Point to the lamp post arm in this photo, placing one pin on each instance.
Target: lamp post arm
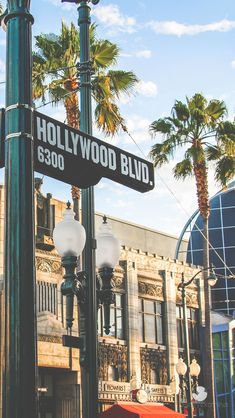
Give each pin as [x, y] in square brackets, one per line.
[184, 284]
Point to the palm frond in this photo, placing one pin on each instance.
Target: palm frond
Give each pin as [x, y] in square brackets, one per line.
[183, 169]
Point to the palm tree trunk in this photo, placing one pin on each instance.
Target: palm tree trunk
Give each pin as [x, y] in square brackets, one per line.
[209, 366]
[201, 177]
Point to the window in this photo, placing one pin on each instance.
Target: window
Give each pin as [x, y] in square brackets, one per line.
[192, 315]
[116, 318]
[47, 297]
[222, 373]
[150, 321]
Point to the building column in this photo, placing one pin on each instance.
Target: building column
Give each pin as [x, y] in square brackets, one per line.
[170, 321]
[132, 320]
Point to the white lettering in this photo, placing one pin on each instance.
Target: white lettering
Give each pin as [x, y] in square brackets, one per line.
[85, 147]
[95, 152]
[124, 165]
[51, 133]
[145, 173]
[41, 129]
[66, 144]
[112, 159]
[103, 156]
[131, 174]
[61, 146]
[75, 138]
[137, 165]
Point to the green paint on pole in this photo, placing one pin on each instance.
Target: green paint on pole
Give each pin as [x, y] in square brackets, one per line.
[19, 397]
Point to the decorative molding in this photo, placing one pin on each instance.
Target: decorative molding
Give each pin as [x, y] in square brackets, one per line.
[151, 289]
[48, 265]
[114, 355]
[49, 338]
[153, 360]
[119, 282]
[191, 299]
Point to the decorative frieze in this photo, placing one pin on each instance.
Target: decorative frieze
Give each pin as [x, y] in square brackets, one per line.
[151, 289]
[153, 360]
[49, 338]
[47, 265]
[191, 299]
[115, 356]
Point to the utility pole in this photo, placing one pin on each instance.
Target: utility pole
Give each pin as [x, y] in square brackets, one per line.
[19, 393]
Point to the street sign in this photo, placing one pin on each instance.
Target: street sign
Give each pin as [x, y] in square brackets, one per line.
[72, 341]
[79, 159]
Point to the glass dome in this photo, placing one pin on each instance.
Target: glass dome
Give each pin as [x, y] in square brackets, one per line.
[222, 246]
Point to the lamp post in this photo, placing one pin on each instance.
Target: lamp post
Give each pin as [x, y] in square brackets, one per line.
[211, 279]
[188, 378]
[107, 256]
[19, 394]
[69, 239]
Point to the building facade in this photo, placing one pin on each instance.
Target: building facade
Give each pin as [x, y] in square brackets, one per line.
[146, 337]
[224, 363]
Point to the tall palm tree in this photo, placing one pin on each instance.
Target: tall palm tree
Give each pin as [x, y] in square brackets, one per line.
[190, 127]
[55, 75]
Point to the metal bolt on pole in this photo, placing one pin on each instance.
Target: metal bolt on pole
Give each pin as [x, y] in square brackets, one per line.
[19, 394]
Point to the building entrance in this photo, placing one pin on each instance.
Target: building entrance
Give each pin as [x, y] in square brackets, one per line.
[59, 395]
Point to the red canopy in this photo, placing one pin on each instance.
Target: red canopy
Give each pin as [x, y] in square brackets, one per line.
[135, 410]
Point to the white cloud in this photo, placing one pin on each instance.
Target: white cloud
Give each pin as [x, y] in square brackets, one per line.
[145, 53]
[65, 5]
[3, 42]
[136, 123]
[111, 17]
[147, 88]
[233, 63]
[179, 29]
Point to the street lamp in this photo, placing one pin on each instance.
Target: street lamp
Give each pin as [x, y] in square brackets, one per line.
[211, 279]
[107, 256]
[188, 380]
[69, 238]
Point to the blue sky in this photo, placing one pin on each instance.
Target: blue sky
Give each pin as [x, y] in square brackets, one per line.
[176, 48]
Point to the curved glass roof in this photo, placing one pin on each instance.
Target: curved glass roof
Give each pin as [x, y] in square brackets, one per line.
[222, 246]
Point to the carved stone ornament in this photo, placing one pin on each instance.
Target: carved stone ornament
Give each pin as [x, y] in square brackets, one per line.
[191, 298]
[114, 355]
[49, 338]
[154, 360]
[151, 290]
[48, 266]
[118, 282]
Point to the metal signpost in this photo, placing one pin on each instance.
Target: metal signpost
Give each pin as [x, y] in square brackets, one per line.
[19, 382]
[77, 158]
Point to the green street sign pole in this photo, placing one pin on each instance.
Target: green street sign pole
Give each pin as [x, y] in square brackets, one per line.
[19, 394]
[89, 371]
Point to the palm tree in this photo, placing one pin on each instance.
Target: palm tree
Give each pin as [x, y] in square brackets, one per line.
[55, 75]
[190, 127]
[55, 72]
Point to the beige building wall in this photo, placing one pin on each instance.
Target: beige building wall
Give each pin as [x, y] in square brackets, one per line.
[146, 270]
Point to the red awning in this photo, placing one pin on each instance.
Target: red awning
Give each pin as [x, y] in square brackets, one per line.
[135, 410]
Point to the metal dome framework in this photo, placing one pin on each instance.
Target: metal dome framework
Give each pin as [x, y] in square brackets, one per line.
[222, 246]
